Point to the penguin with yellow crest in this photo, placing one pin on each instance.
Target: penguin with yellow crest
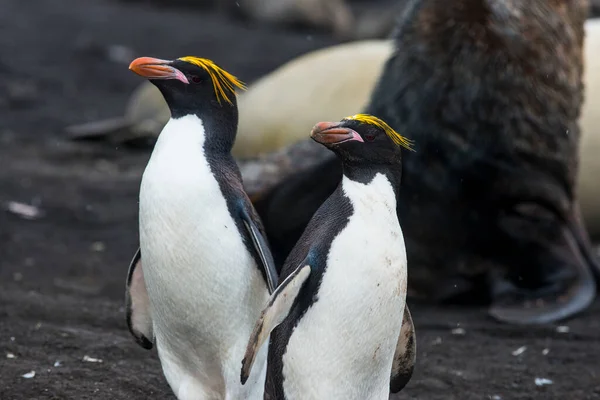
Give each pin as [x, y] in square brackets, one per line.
[339, 321]
[204, 270]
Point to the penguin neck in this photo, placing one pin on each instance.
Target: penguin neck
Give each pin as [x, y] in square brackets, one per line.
[217, 124]
[191, 138]
[365, 173]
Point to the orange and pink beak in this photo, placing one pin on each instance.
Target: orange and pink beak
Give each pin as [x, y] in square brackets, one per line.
[332, 133]
[155, 68]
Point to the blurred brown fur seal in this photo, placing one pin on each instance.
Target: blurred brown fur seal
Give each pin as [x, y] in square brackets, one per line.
[490, 90]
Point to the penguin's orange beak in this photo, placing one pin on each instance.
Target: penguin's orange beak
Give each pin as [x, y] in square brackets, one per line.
[155, 68]
[332, 133]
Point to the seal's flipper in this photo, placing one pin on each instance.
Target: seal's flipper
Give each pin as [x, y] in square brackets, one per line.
[252, 224]
[99, 130]
[558, 303]
[583, 239]
[275, 312]
[137, 304]
[569, 283]
[405, 355]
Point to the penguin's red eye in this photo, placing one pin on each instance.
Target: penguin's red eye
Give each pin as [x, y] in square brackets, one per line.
[369, 137]
[196, 79]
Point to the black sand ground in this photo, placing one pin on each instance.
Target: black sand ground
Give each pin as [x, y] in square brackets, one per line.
[62, 273]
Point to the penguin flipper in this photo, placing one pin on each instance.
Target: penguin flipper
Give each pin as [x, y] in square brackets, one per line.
[405, 354]
[137, 304]
[275, 312]
[261, 246]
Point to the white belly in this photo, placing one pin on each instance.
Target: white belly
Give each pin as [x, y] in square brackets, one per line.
[343, 347]
[205, 289]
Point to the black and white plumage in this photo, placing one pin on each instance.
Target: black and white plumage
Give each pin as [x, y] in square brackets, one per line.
[204, 271]
[337, 331]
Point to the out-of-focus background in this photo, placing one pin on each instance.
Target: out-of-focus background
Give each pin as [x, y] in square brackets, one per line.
[68, 217]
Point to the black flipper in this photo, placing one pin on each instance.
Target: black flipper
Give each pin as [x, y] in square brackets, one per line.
[137, 304]
[405, 355]
[253, 226]
[275, 312]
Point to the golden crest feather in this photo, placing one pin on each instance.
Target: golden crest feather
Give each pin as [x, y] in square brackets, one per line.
[222, 80]
[392, 134]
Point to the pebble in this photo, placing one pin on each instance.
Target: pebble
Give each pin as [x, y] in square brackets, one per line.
[543, 381]
[29, 375]
[519, 351]
[23, 210]
[87, 358]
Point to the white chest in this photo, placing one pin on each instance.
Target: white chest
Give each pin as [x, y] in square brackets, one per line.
[196, 265]
[178, 186]
[344, 345]
[205, 289]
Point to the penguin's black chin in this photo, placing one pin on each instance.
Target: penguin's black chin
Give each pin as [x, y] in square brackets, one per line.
[154, 68]
[331, 133]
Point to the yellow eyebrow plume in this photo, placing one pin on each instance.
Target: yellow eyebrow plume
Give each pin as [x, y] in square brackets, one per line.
[222, 80]
[392, 134]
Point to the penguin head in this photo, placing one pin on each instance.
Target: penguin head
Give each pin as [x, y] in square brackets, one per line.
[361, 138]
[190, 85]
